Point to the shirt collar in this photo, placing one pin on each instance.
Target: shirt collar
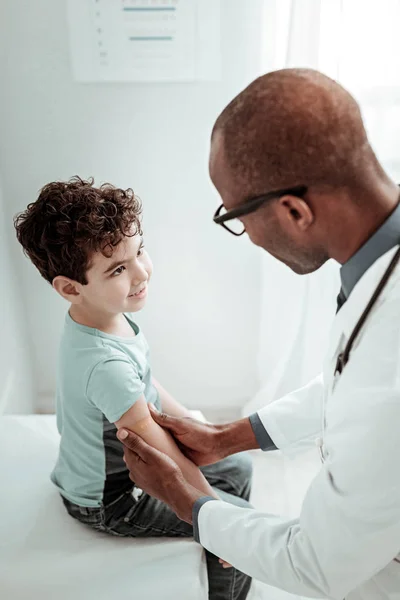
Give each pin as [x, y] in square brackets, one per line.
[383, 240]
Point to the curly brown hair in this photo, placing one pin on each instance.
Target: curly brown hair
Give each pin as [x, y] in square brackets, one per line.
[71, 220]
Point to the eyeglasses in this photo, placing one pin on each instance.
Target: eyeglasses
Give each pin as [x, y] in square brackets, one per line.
[236, 227]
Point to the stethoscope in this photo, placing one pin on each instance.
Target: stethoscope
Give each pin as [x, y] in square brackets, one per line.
[344, 356]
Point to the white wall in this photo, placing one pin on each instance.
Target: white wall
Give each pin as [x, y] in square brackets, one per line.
[201, 319]
[16, 389]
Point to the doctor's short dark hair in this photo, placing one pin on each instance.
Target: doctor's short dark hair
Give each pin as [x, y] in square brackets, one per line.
[296, 127]
[71, 220]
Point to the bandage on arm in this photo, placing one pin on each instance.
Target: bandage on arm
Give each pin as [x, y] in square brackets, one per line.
[139, 420]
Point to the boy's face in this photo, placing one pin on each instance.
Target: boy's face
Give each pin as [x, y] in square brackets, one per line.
[118, 283]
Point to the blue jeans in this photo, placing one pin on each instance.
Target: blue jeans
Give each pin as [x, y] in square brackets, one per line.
[145, 516]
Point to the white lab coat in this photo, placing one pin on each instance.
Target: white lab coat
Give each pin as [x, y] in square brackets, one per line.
[346, 541]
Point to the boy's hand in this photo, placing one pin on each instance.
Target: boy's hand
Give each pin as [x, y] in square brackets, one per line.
[197, 440]
[158, 475]
[225, 565]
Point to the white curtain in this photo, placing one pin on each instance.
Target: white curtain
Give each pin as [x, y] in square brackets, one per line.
[354, 42]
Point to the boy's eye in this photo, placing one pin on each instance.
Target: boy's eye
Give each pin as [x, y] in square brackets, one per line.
[140, 251]
[118, 271]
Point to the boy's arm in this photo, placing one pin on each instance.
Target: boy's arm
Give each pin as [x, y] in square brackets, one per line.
[168, 404]
[139, 420]
[116, 389]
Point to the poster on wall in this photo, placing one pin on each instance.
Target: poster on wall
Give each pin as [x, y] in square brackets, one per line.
[144, 40]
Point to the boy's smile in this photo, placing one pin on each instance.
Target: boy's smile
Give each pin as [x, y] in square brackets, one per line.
[141, 293]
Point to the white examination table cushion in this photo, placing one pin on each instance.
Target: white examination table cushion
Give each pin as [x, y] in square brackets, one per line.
[46, 555]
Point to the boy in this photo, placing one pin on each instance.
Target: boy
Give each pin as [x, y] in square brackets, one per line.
[87, 242]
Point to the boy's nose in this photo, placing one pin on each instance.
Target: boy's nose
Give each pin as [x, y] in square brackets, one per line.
[140, 276]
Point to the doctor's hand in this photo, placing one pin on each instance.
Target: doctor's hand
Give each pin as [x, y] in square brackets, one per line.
[197, 440]
[158, 475]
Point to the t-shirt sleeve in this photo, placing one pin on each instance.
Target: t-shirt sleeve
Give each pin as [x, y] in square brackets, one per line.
[113, 387]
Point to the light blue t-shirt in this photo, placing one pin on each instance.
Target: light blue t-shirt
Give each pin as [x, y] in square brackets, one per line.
[100, 377]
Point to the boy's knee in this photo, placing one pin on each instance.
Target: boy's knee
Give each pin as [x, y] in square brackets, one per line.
[246, 464]
[243, 466]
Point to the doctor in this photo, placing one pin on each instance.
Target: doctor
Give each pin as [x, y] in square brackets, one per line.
[291, 160]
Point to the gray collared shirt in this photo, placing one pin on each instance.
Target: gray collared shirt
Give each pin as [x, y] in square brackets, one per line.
[383, 240]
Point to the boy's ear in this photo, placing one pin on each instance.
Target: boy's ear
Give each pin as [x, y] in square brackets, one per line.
[68, 289]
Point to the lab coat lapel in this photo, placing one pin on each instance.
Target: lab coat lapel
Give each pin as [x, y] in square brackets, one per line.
[348, 316]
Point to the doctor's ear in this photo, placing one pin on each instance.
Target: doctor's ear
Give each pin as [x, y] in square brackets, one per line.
[297, 211]
[69, 289]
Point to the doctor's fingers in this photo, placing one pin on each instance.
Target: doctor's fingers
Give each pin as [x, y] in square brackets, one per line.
[137, 446]
[176, 425]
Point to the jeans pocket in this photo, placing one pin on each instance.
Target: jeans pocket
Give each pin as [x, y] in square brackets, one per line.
[118, 515]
